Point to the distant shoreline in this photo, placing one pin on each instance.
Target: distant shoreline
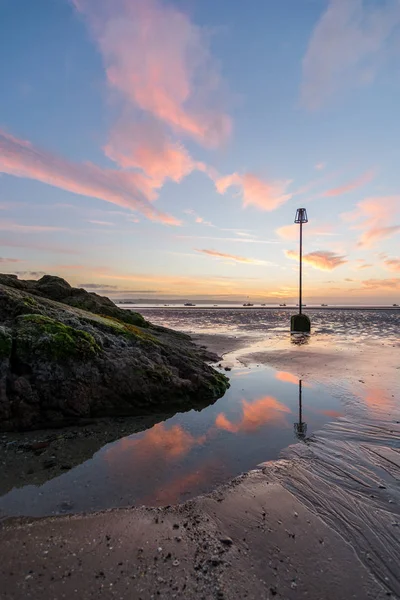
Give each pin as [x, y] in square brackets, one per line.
[234, 307]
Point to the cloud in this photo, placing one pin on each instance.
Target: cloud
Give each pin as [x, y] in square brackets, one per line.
[376, 215]
[105, 223]
[30, 274]
[291, 232]
[240, 240]
[378, 284]
[9, 260]
[320, 166]
[393, 264]
[160, 62]
[146, 146]
[322, 260]
[18, 227]
[346, 48]
[254, 191]
[130, 190]
[97, 286]
[351, 185]
[365, 266]
[232, 257]
[198, 219]
[348, 279]
[376, 234]
[7, 243]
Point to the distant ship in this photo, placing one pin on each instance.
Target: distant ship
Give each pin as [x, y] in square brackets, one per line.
[263, 305]
[248, 304]
[189, 304]
[395, 305]
[324, 305]
[283, 305]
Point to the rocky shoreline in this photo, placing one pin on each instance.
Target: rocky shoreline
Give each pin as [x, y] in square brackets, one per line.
[67, 355]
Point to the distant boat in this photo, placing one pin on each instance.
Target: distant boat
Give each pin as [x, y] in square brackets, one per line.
[248, 304]
[263, 305]
[189, 304]
[166, 304]
[324, 305]
[215, 304]
[284, 305]
[395, 305]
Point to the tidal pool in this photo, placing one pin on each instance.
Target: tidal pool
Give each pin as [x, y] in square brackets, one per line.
[190, 453]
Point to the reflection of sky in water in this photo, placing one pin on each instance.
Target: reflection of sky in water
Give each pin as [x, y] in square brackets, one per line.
[351, 324]
[190, 453]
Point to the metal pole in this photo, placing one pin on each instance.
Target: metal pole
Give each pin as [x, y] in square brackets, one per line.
[300, 402]
[301, 268]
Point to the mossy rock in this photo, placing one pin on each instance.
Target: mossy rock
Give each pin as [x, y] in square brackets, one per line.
[104, 306]
[219, 384]
[5, 343]
[43, 336]
[134, 332]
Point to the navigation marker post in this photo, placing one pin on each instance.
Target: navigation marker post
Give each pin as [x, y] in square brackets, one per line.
[300, 323]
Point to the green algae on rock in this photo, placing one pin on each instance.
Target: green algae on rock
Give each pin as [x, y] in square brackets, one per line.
[45, 336]
[61, 361]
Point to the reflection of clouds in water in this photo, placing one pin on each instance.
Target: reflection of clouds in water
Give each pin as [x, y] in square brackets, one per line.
[255, 415]
[157, 444]
[335, 414]
[290, 378]
[172, 491]
[378, 399]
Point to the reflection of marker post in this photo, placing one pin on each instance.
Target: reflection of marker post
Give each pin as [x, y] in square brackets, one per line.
[300, 427]
[300, 322]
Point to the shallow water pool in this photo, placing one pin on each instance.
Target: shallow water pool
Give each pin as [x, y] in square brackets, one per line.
[190, 453]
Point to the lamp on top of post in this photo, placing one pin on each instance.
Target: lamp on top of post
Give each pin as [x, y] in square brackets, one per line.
[300, 323]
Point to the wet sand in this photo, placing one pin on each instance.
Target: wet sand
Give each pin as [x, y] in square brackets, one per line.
[252, 539]
[286, 530]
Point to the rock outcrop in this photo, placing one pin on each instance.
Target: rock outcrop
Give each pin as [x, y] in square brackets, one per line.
[67, 354]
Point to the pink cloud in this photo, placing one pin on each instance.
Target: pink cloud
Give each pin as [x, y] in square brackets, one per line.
[393, 264]
[160, 62]
[376, 216]
[322, 260]
[376, 234]
[387, 284]
[231, 257]
[351, 185]
[346, 48]
[18, 227]
[127, 189]
[255, 192]
[291, 232]
[145, 145]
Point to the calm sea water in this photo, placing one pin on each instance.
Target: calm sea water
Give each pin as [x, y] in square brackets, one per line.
[382, 324]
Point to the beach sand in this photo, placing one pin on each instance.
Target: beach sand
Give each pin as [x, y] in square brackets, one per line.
[285, 530]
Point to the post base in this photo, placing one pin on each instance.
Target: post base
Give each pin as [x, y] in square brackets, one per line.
[300, 324]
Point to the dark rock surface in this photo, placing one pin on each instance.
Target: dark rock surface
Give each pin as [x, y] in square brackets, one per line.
[67, 354]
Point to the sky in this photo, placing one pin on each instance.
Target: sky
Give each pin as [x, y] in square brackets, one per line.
[160, 148]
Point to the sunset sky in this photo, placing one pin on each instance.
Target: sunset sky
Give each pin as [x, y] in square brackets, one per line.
[160, 148]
